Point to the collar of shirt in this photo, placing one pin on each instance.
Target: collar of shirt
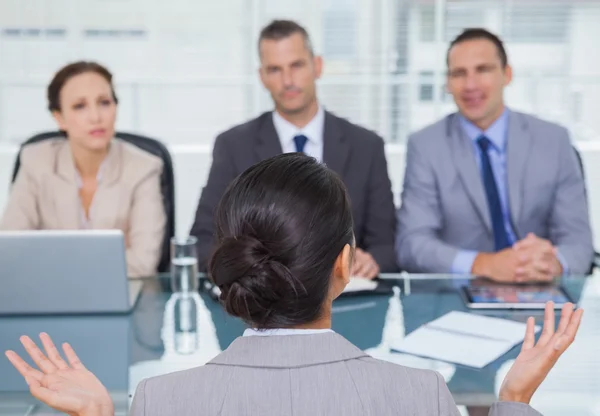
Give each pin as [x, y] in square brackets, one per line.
[101, 169]
[85, 219]
[287, 131]
[251, 332]
[496, 133]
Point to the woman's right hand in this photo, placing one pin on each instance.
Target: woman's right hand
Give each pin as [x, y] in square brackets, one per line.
[68, 388]
[536, 360]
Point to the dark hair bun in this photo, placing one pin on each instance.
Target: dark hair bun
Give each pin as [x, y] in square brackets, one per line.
[280, 227]
[252, 280]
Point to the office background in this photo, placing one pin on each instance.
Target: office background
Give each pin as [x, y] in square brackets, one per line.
[186, 69]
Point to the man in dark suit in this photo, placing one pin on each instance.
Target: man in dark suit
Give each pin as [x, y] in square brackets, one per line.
[289, 70]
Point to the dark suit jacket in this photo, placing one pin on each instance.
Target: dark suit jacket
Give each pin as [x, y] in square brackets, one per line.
[355, 153]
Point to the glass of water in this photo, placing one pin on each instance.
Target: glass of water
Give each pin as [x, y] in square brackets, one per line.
[184, 265]
[180, 323]
[186, 321]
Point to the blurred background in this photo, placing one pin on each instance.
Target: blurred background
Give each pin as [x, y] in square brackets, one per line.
[186, 70]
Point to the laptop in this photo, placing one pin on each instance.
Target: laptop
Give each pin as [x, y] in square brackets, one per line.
[65, 272]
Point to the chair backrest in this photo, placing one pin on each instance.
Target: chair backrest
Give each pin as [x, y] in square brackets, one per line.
[580, 161]
[167, 181]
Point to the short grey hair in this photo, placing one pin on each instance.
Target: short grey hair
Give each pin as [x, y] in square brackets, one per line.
[281, 29]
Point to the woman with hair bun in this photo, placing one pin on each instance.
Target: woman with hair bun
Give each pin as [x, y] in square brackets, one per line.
[284, 253]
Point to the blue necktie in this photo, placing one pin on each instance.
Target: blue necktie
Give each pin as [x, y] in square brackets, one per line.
[501, 240]
[300, 141]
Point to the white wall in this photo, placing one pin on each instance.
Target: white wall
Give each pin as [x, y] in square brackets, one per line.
[584, 63]
[558, 81]
[191, 165]
[186, 69]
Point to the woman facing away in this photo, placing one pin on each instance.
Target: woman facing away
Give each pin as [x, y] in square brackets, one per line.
[284, 253]
[91, 180]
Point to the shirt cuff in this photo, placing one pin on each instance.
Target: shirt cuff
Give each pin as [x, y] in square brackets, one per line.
[463, 262]
[563, 263]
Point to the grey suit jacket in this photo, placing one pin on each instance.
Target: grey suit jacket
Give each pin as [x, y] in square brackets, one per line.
[444, 207]
[355, 153]
[312, 375]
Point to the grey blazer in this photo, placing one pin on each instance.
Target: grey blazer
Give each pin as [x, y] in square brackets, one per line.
[444, 207]
[312, 375]
[355, 153]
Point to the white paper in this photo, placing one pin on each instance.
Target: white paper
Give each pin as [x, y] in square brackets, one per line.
[358, 284]
[455, 348]
[482, 326]
[464, 338]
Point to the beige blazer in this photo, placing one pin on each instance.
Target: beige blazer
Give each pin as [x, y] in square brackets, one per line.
[301, 375]
[45, 195]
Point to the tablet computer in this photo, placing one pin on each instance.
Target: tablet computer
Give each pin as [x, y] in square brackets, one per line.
[502, 296]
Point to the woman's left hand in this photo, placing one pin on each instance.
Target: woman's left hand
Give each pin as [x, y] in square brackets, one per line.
[68, 388]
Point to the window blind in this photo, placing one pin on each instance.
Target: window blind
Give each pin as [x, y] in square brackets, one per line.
[187, 69]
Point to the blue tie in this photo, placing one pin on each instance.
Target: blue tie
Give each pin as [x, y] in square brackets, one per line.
[501, 240]
[300, 141]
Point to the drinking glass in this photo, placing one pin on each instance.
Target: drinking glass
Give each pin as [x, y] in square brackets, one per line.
[184, 265]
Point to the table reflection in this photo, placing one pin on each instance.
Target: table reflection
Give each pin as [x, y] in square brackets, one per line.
[169, 332]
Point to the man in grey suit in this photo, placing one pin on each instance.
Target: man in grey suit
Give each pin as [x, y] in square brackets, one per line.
[490, 191]
[289, 70]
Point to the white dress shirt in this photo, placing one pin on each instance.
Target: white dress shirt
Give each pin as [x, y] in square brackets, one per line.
[251, 332]
[286, 132]
[84, 219]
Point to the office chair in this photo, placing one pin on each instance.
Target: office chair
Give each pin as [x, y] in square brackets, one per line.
[167, 181]
[596, 261]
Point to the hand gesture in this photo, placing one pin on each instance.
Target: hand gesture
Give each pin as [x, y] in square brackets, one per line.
[536, 360]
[68, 388]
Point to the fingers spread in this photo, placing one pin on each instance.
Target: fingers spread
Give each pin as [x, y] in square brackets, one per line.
[548, 329]
[566, 337]
[565, 317]
[72, 357]
[22, 367]
[38, 356]
[53, 354]
[529, 340]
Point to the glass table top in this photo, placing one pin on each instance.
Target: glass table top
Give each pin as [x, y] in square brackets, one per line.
[165, 333]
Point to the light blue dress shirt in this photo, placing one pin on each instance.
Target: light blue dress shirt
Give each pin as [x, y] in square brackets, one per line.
[497, 133]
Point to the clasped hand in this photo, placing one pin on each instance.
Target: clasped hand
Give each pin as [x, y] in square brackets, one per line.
[530, 259]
